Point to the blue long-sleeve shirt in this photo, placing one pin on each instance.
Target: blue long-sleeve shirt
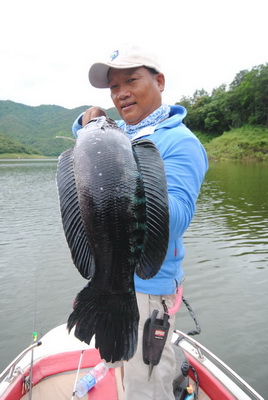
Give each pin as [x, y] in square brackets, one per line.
[186, 164]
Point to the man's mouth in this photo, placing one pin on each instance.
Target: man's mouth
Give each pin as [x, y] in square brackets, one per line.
[127, 105]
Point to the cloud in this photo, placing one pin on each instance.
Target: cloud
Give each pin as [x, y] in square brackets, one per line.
[49, 46]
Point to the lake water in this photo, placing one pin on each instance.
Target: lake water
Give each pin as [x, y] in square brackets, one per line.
[226, 263]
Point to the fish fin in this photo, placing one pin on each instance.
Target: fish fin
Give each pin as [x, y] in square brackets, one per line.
[151, 168]
[112, 318]
[71, 216]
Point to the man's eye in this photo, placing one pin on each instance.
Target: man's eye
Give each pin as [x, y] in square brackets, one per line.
[113, 87]
[131, 79]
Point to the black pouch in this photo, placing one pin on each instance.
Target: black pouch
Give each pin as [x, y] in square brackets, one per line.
[154, 338]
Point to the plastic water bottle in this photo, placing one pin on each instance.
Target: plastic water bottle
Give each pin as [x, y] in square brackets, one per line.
[90, 379]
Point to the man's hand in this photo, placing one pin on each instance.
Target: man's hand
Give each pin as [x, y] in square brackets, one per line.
[92, 112]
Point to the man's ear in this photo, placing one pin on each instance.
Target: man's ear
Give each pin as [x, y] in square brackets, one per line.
[160, 81]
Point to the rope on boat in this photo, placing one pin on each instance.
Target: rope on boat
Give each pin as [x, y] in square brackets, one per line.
[77, 373]
[185, 367]
[191, 312]
[185, 371]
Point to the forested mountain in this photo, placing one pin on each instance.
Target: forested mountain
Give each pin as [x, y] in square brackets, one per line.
[244, 102]
[36, 128]
[12, 146]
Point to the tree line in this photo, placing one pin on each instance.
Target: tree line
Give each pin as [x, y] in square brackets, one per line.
[8, 145]
[35, 130]
[244, 102]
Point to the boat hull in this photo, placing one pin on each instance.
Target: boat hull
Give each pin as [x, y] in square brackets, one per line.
[55, 363]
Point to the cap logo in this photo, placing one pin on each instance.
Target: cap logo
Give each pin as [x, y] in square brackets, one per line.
[114, 55]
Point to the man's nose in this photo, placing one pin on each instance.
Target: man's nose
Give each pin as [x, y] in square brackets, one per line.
[123, 93]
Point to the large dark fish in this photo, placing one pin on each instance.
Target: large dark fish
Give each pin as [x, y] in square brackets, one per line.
[114, 209]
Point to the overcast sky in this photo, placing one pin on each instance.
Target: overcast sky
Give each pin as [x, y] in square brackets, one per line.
[47, 46]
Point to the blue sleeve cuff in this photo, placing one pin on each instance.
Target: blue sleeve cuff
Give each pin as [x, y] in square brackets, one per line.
[77, 125]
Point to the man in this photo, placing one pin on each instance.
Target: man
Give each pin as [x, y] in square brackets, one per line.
[136, 83]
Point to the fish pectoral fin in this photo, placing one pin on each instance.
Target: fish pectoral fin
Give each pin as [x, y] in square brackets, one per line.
[151, 168]
[71, 217]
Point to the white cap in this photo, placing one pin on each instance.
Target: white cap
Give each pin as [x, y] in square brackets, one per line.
[127, 57]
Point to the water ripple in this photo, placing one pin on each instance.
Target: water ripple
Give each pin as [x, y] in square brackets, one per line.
[225, 264]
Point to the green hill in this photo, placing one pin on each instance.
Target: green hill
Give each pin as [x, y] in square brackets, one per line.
[11, 146]
[36, 128]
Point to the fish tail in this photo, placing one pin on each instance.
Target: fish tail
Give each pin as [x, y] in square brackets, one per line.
[112, 318]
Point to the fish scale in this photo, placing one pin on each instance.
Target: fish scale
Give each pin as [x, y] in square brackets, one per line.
[114, 209]
[105, 201]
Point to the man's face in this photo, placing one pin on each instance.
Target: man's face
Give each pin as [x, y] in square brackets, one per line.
[136, 92]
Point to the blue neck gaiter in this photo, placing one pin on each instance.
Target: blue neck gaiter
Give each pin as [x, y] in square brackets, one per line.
[157, 116]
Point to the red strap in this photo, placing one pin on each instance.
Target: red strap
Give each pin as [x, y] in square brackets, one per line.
[177, 303]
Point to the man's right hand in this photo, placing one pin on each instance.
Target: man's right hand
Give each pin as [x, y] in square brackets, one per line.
[92, 112]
